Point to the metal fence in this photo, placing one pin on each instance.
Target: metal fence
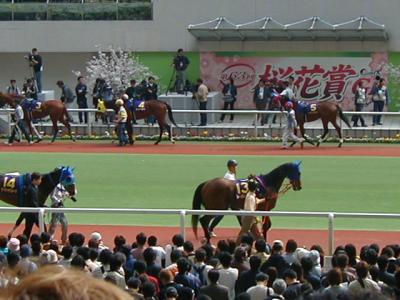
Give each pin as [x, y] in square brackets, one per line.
[76, 10]
[89, 126]
[182, 213]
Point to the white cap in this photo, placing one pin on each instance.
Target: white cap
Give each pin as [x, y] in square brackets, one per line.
[96, 236]
[13, 244]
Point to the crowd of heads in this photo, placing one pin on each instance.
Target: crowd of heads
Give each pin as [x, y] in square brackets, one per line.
[142, 269]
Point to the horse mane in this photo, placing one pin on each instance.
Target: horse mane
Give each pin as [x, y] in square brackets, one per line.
[276, 177]
[49, 182]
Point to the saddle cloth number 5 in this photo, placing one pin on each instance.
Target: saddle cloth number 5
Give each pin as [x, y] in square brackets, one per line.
[313, 107]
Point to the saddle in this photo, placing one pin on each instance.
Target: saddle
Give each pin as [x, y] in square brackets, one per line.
[306, 108]
[31, 104]
[136, 105]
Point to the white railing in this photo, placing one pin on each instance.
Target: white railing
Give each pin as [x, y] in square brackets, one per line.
[255, 113]
[182, 213]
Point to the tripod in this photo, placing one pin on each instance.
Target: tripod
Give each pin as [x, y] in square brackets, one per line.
[173, 75]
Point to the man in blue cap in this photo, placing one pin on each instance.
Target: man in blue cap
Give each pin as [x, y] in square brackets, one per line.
[230, 175]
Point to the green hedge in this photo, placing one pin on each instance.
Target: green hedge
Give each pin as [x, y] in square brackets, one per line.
[91, 11]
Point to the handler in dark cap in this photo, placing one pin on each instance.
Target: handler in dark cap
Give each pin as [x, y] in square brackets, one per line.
[230, 175]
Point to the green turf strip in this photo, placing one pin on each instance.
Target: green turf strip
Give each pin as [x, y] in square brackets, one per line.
[338, 184]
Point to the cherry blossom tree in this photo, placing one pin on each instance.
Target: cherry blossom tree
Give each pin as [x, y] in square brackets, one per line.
[117, 67]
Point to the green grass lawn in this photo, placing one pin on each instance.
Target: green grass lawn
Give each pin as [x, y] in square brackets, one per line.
[338, 184]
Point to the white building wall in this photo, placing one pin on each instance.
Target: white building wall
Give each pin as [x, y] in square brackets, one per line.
[167, 31]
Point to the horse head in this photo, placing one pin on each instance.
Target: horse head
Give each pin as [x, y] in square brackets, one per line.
[9, 99]
[67, 179]
[294, 175]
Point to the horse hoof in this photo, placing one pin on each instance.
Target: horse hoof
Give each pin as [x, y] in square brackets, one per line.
[173, 142]
[317, 145]
[156, 143]
[340, 145]
[131, 143]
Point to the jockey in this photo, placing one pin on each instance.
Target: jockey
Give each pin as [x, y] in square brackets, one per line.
[126, 99]
[58, 196]
[287, 92]
[121, 122]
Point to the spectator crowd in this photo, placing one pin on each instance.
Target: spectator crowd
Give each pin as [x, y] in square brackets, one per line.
[252, 270]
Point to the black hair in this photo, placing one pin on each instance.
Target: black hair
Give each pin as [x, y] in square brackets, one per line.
[334, 276]
[84, 252]
[152, 240]
[105, 256]
[213, 275]
[252, 185]
[66, 252]
[199, 80]
[149, 255]
[180, 50]
[200, 255]
[134, 283]
[261, 277]
[60, 83]
[80, 77]
[22, 239]
[178, 240]
[188, 246]
[382, 262]
[115, 263]
[148, 289]
[225, 259]
[291, 246]
[45, 237]
[93, 254]
[35, 176]
[255, 262]
[141, 239]
[183, 265]
[12, 259]
[175, 255]
[78, 262]
[140, 267]
[34, 49]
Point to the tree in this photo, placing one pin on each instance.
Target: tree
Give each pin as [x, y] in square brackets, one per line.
[116, 67]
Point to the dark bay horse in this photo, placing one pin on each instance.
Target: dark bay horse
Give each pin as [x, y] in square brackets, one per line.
[327, 111]
[13, 185]
[158, 109]
[222, 194]
[55, 109]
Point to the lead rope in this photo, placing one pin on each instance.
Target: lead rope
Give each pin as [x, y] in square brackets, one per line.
[285, 189]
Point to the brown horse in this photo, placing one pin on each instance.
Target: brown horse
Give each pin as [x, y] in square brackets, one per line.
[222, 194]
[53, 108]
[158, 109]
[327, 111]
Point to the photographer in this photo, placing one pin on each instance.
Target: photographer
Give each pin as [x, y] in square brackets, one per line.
[180, 64]
[36, 62]
[29, 90]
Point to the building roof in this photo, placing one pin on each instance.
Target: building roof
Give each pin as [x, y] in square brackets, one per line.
[267, 28]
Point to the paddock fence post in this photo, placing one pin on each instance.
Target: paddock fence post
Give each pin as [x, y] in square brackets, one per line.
[182, 218]
[331, 233]
[41, 219]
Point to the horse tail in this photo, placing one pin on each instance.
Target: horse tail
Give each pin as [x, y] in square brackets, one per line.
[197, 201]
[342, 116]
[170, 115]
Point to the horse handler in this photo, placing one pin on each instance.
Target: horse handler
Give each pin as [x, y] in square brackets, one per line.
[291, 124]
[58, 196]
[121, 122]
[251, 223]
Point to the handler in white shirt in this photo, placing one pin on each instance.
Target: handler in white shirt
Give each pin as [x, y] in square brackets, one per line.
[230, 175]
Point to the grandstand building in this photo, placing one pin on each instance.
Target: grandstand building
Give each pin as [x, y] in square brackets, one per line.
[249, 38]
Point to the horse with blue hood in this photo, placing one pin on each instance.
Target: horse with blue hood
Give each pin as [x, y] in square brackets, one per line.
[13, 186]
[223, 194]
